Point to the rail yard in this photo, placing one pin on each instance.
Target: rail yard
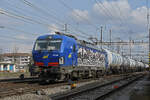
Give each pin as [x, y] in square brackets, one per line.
[108, 85]
[74, 50]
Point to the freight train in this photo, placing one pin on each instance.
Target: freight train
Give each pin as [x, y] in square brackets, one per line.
[62, 57]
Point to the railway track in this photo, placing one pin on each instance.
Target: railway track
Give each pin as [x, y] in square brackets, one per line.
[97, 91]
[10, 88]
[19, 80]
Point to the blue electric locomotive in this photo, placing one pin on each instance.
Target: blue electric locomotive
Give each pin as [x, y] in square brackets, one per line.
[61, 57]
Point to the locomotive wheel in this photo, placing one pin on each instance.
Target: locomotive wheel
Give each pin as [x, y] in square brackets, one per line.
[67, 77]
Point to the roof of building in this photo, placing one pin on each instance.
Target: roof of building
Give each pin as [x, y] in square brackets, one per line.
[16, 54]
[6, 62]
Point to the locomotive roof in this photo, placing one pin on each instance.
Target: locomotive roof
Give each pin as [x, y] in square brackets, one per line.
[68, 36]
[87, 44]
[53, 36]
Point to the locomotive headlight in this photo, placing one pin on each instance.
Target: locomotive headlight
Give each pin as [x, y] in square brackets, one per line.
[61, 60]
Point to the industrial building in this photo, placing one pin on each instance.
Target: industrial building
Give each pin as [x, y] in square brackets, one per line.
[14, 62]
[18, 58]
[7, 67]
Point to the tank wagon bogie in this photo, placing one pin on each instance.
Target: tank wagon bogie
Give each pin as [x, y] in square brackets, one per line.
[125, 65]
[61, 57]
[114, 61]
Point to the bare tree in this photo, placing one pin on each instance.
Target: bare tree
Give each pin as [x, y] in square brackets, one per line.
[14, 54]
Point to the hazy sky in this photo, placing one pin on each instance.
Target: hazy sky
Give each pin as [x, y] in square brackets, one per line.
[24, 20]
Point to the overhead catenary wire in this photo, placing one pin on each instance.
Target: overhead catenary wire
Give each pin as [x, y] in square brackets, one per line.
[147, 1]
[30, 20]
[101, 5]
[21, 31]
[12, 8]
[103, 8]
[108, 15]
[31, 5]
[41, 11]
[13, 37]
[23, 18]
[67, 6]
[15, 17]
[80, 35]
[25, 21]
[148, 29]
[107, 12]
[120, 12]
[18, 30]
[18, 17]
[37, 8]
[120, 17]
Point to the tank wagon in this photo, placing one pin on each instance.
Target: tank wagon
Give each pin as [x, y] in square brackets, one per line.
[61, 57]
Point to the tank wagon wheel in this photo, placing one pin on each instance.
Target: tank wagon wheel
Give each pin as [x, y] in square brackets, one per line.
[21, 76]
[43, 81]
[100, 73]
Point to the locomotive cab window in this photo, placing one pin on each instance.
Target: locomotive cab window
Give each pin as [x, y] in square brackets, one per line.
[53, 44]
[41, 45]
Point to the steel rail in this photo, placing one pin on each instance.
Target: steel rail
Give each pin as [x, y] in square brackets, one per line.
[19, 79]
[95, 91]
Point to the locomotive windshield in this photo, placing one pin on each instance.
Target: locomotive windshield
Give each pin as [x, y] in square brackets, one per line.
[41, 45]
[53, 44]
